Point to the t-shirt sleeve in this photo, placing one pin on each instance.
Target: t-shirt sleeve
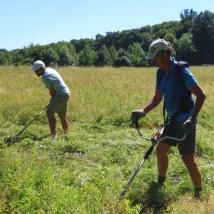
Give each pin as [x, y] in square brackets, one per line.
[47, 82]
[189, 78]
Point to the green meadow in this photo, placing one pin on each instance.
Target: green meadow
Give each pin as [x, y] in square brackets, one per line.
[85, 171]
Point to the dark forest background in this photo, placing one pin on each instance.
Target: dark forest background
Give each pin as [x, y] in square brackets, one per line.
[192, 38]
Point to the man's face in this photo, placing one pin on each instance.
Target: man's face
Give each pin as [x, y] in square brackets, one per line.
[161, 59]
[39, 72]
[157, 60]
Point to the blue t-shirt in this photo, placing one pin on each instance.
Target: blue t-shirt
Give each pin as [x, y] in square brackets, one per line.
[52, 79]
[172, 91]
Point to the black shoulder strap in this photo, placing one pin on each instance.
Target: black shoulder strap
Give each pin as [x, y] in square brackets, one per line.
[178, 72]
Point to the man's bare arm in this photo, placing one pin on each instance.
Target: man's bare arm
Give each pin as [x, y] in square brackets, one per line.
[52, 92]
[200, 97]
[154, 102]
[139, 113]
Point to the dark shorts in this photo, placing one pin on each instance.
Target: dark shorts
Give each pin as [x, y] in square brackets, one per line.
[187, 146]
[58, 103]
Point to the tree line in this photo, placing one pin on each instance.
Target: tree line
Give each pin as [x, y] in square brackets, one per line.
[192, 39]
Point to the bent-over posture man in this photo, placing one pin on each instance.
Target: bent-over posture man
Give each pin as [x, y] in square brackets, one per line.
[59, 93]
[177, 101]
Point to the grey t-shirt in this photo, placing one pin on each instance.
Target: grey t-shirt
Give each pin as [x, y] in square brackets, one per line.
[52, 79]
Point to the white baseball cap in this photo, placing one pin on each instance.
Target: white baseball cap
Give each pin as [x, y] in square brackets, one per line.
[37, 65]
[156, 47]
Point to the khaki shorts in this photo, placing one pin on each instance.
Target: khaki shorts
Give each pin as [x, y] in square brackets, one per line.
[58, 103]
[187, 146]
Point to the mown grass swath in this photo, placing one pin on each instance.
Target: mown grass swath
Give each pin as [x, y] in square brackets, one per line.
[85, 171]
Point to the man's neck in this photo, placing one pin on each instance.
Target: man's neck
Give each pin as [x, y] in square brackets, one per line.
[166, 66]
[43, 71]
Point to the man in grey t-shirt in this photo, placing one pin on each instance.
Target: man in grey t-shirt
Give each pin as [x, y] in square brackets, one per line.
[59, 93]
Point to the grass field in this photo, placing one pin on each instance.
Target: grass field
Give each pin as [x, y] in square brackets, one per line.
[85, 171]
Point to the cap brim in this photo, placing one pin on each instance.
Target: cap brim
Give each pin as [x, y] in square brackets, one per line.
[36, 67]
[151, 56]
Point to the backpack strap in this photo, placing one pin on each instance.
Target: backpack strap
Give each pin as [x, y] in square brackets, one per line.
[186, 103]
[178, 72]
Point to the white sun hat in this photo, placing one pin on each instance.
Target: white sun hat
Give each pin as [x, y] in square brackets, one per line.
[156, 47]
[37, 65]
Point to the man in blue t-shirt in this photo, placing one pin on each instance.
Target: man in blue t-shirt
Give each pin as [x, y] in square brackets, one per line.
[167, 86]
[59, 93]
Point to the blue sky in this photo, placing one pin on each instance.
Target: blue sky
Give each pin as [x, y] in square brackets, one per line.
[45, 21]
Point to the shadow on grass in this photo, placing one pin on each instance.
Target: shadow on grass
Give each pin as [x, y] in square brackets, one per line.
[154, 200]
[9, 141]
[72, 149]
[36, 137]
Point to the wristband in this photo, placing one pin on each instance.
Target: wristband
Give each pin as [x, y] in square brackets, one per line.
[193, 119]
[143, 112]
